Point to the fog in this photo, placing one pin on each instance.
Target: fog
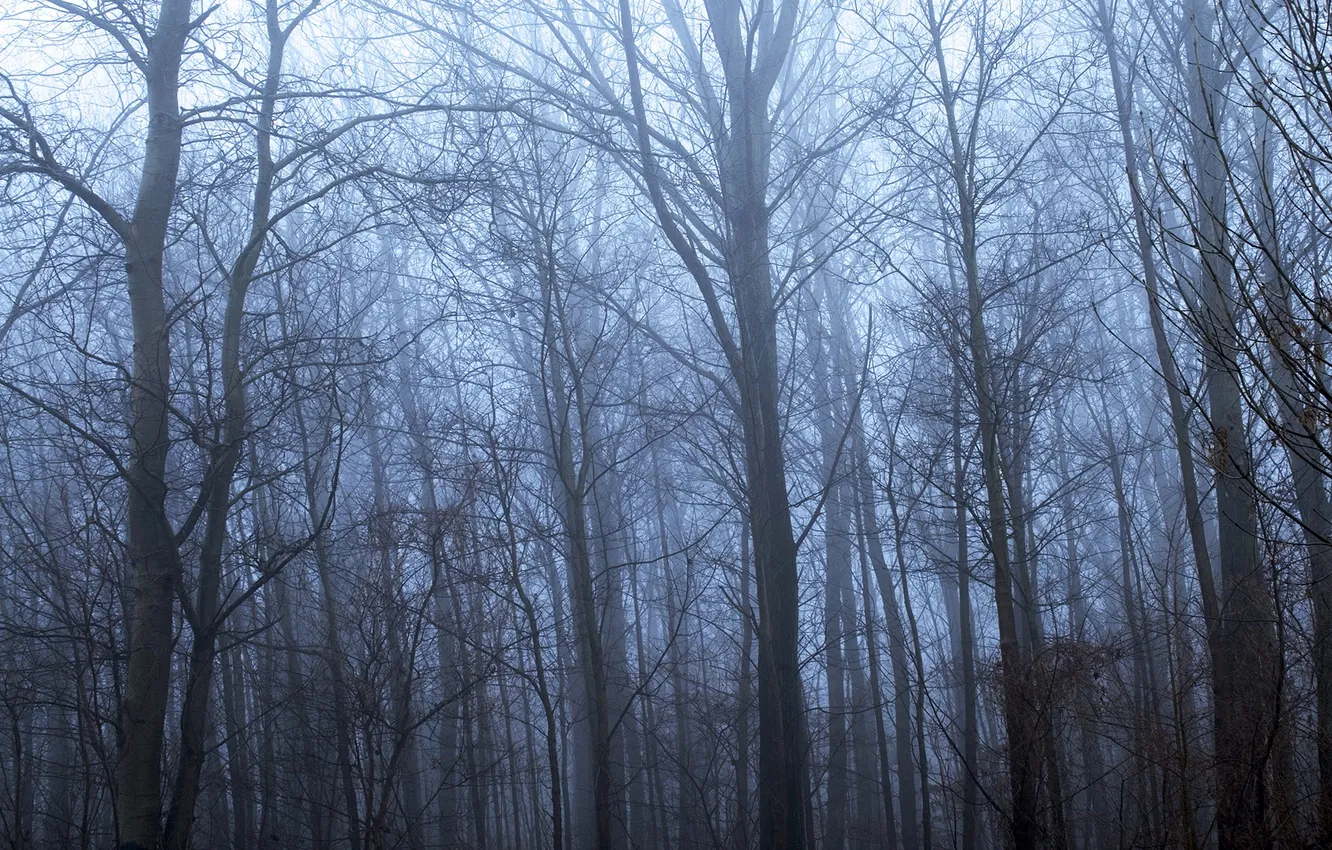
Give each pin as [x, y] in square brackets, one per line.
[627, 424]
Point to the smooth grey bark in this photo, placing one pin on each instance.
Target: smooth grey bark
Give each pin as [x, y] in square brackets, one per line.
[154, 560]
[1245, 660]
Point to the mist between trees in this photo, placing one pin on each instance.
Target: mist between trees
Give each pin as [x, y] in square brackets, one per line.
[745, 424]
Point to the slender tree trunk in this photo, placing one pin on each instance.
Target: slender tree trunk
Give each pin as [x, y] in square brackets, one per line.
[744, 694]
[533, 625]
[643, 817]
[1098, 833]
[837, 579]
[334, 657]
[1179, 417]
[970, 725]
[223, 462]
[677, 588]
[154, 560]
[1297, 434]
[1023, 752]
[1133, 822]
[899, 532]
[872, 651]
[897, 645]
[1245, 661]
[238, 751]
[567, 409]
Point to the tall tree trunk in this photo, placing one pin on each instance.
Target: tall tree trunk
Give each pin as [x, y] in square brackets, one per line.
[1245, 662]
[897, 650]
[1179, 418]
[1023, 752]
[238, 750]
[544, 694]
[316, 505]
[1098, 834]
[1134, 821]
[744, 694]
[872, 652]
[566, 408]
[612, 546]
[224, 460]
[154, 560]
[1178, 414]
[677, 581]
[837, 580]
[643, 817]
[971, 791]
[279, 608]
[1291, 379]
[917, 658]
[751, 73]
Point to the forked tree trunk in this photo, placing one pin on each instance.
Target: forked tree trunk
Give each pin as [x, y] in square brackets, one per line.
[224, 460]
[750, 72]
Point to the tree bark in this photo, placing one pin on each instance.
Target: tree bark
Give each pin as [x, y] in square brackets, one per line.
[154, 560]
[1245, 660]
[751, 73]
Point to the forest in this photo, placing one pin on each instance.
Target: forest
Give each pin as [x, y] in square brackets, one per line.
[679, 424]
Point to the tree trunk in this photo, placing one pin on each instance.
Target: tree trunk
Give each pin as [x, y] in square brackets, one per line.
[837, 580]
[154, 559]
[744, 153]
[897, 650]
[744, 694]
[1023, 751]
[1298, 434]
[334, 657]
[1245, 662]
[872, 652]
[238, 751]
